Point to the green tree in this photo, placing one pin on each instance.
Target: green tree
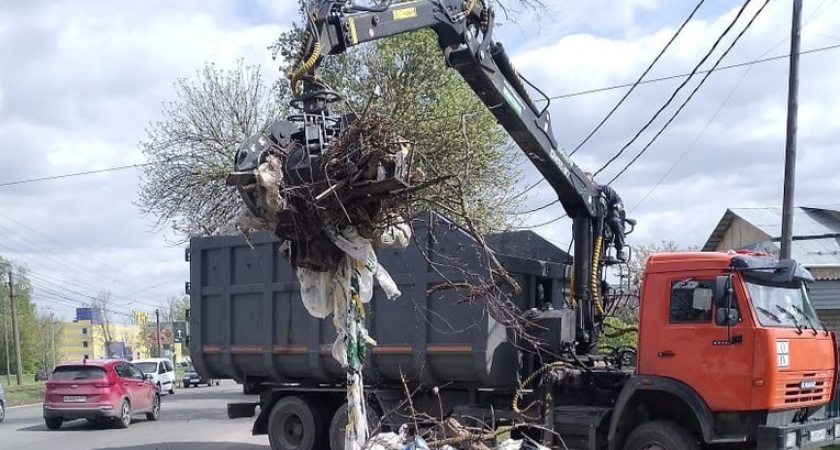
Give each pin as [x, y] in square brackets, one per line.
[30, 336]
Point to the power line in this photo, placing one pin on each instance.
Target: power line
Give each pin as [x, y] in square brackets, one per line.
[672, 77]
[44, 287]
[694, 142]
[60, 263]
[556, 97]
[817, 11]
[639, 80]
[677, 90]
[77, 174]
[690, 96]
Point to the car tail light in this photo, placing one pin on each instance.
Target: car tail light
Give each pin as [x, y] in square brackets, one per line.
[103, 384]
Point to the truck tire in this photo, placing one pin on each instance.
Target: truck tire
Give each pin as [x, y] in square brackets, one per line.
[295, 424]
[661, 435]
[339, 422]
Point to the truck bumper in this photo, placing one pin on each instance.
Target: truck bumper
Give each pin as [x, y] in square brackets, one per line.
[812, 434]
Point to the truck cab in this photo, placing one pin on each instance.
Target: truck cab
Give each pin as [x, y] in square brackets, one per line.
[733, 341]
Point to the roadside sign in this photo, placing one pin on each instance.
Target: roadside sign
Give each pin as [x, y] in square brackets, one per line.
[179, 331]
[166, 334]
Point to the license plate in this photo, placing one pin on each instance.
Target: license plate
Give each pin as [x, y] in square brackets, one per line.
[808, 384]
[817, 435]
[74, 399]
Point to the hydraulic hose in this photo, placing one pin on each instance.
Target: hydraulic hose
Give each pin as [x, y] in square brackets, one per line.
[572, 301]
[304, 39]
[514, 404]
[308, 65]
[593, 277]
[621, 332]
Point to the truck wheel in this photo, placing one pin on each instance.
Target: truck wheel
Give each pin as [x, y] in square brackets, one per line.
[295, 424]
[661, 435]
[338, 425]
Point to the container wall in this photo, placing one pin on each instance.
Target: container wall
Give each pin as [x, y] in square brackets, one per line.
[248, 321]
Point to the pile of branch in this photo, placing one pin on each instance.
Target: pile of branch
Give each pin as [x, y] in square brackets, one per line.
[360, 180]
[340, 194]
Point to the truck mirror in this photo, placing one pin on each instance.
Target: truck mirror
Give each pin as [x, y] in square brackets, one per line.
[726, 316]
[721, 294]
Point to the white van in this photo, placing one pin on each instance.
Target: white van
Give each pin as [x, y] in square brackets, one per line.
[161, 370]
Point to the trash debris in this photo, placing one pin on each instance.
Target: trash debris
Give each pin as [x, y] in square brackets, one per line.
[519, 444]
[301, 188]
[384, 441]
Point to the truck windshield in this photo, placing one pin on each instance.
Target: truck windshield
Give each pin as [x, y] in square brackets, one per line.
[782, 306]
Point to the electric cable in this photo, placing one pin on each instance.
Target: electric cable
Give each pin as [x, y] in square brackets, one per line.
[677, 90]
[58, 259]
[639, 80]
[569, 95]
[690, 96]
[817, 11]
[78, 174]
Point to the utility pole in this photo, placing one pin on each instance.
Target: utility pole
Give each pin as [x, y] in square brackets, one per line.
[15, 328]
[52, 320]
[6, 343]
[157, 325]
[790, 144]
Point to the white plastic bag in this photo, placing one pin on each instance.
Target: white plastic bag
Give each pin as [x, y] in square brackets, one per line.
[359, 248]
[317, 290]
[396, 236]
[509, 444]
[383, 441]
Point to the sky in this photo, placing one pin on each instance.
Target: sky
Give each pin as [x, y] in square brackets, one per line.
[80, 80]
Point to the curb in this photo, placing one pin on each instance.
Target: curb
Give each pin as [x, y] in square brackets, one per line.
[24, 406]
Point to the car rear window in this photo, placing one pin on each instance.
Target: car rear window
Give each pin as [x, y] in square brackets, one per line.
[78, 373]
[147, 367]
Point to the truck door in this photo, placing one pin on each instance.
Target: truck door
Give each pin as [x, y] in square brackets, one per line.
[717, 363]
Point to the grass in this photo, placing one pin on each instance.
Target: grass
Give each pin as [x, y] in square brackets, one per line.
[29, 392]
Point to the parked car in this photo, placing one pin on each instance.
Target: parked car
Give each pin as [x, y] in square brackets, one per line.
[161, 370]
[192, 378]
[2, 403]
[99, 391]
[41, 375]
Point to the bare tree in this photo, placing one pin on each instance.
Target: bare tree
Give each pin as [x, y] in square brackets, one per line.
[102, 302]
[191, 149]
[174, 309]
[49, 328]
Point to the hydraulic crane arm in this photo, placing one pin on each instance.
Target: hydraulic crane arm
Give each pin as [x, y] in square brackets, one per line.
[483, 64]
[464, 30]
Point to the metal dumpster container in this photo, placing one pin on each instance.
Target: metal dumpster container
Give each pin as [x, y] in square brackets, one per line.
[248, 322]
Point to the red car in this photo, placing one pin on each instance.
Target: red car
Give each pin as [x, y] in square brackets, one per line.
[100, 391]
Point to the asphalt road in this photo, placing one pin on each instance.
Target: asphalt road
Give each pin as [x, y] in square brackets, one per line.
[192, 419]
